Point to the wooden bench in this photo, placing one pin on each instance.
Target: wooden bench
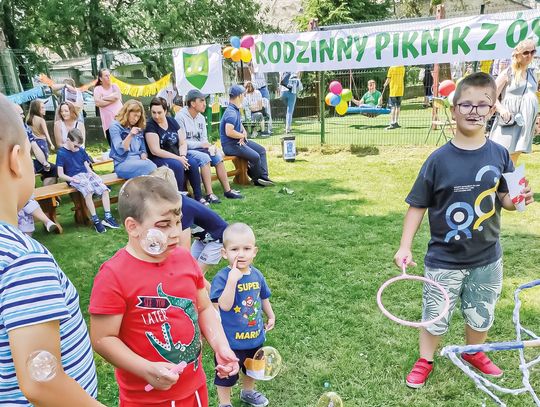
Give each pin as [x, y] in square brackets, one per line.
[47, 195]
[240, 171]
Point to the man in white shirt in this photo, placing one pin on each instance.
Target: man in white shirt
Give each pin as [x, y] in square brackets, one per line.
[190, 119]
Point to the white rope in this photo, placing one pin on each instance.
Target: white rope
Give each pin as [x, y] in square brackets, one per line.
[519, 344]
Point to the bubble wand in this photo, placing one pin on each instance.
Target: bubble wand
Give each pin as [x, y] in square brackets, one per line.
[178, 369]
[405, 276]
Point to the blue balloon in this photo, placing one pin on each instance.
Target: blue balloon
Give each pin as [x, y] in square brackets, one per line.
[334, 100]
[235, 42]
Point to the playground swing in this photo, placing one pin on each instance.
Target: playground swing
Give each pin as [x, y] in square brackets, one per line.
[365, 110]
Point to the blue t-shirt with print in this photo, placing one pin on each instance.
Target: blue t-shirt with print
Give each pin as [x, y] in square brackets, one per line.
[72, 161]
[243, 323]
[195, 213]
[230, 115]
[169, 140]
[458, 187]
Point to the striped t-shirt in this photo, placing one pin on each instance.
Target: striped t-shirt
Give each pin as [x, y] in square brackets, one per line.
[34, 290]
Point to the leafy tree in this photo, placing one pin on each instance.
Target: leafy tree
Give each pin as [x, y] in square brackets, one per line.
[74, 28]
[330, 12]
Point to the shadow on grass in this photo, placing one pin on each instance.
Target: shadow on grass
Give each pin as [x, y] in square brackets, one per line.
[324, 261]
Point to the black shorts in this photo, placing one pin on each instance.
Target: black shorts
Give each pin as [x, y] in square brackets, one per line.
[242, 355]
[394, 101]
[39, 169]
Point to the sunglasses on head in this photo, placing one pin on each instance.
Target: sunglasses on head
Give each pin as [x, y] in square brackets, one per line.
[527, 53]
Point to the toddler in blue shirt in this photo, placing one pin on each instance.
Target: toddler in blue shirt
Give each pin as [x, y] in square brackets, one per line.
[242, 296]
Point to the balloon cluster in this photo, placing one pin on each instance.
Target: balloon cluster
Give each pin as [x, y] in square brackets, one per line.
[239, 49]
[338, 97]
[447, 89]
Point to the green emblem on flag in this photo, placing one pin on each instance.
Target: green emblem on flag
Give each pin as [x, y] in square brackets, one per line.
[196, 68]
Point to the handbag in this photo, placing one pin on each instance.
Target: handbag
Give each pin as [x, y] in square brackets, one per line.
[285, 80]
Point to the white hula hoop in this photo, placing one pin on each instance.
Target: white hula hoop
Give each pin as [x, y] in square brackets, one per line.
[406, 276]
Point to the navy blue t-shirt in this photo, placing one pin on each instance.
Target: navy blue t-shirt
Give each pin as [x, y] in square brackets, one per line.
[459, 189]
[72, 161]
[195, 213]
[243, 323]
[230, 115]
[169, 140]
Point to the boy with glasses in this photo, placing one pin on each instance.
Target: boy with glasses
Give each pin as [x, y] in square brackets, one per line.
[462, 188]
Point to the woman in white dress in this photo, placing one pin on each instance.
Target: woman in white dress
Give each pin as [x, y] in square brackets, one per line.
[519, 105]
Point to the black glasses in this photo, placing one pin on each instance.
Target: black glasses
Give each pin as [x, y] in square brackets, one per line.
[467, 108]
[527, 53]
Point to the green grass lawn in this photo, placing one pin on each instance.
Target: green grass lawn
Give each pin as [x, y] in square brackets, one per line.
[325, 250]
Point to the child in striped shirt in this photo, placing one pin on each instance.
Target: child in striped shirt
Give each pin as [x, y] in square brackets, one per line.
[39, 307]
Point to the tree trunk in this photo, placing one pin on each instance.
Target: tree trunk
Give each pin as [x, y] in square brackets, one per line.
[13, 42]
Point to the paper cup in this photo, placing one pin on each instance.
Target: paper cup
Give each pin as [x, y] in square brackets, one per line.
[516, 182]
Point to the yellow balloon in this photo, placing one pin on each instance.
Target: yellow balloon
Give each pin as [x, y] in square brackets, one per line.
[227, 52]
[245, 55]
[236, 55]
[341, 108]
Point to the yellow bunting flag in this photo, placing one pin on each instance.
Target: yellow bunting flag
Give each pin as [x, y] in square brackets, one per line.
[142, 90]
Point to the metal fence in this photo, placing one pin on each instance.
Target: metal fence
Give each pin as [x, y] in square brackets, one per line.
[314, 122]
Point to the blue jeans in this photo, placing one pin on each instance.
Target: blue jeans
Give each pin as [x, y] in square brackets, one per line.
[134, 167]
[254, 153]
[289, 99]
[179, 173]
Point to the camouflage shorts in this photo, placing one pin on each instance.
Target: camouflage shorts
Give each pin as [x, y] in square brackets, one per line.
[478, 289]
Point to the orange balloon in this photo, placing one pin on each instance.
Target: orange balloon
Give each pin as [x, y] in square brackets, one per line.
[227, 52]
[236, 55]
[245, 55]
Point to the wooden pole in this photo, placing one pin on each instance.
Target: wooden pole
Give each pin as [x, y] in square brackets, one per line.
[440, 14]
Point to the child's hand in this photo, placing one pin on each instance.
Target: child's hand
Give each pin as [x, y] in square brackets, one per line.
[235, 274]
[528, 193]
[159, 375]
[404, 256]
[74, 180]
[270, 324]
[227, 363]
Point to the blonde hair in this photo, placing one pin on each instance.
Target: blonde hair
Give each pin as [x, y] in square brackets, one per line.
[518, 69]
[236, 229]
[131, 105]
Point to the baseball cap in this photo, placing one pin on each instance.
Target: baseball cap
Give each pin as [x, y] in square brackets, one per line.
[236, 90]
[194, 94]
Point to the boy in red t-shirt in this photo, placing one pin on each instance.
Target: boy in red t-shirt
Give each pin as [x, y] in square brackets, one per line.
[148, 311]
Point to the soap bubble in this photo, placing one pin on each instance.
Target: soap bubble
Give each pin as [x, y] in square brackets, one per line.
[330, 399]
[154, 242]
[265, 365]
[42, 365]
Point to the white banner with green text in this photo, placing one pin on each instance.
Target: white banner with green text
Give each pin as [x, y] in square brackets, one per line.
[473, 38]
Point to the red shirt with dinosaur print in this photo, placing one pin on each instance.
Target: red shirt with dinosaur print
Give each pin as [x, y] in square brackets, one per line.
[158, 302]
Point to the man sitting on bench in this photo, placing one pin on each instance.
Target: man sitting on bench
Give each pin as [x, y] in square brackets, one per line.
[234, 141]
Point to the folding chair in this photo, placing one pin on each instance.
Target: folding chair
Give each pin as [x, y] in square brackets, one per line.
[443, 106]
